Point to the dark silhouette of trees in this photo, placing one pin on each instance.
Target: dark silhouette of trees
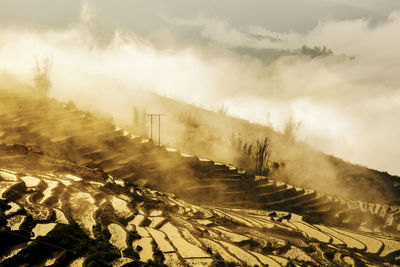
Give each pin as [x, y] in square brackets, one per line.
[258, 151]
[316, 51]
[262, 153]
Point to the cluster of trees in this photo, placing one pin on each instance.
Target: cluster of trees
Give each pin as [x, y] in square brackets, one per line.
[316, 51]
[259, 151]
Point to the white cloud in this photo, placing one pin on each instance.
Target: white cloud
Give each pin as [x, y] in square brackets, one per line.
[348, 107]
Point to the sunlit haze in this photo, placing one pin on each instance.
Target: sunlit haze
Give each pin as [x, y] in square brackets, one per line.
[348, 103]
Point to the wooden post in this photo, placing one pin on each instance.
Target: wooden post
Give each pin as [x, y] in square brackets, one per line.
[159, 126]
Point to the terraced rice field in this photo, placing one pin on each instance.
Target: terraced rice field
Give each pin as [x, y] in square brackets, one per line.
[185, 237]
[61, 132]
[70, 194]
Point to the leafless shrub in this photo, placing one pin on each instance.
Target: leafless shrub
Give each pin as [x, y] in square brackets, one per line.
[41, 75]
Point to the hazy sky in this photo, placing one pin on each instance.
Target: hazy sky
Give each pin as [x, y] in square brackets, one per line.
[137, 15]
[214, 52]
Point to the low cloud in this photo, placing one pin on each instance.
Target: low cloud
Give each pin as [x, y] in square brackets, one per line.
[348, 103]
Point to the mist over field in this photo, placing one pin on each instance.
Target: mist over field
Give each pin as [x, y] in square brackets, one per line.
[248, 59]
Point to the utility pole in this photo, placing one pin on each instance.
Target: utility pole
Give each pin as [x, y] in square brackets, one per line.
[159, 125]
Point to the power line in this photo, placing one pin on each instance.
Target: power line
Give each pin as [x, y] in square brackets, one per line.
[159, 125]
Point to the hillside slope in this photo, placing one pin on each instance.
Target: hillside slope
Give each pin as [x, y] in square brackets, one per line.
[214, 135]
[72, 192]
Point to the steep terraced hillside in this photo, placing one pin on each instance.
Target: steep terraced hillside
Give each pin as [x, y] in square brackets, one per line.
[61, 132]
[196, 130]
[72, 190]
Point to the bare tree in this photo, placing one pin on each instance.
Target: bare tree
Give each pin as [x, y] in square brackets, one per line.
[289, 134]
[262, 153]
[41, 75]
[222, 109]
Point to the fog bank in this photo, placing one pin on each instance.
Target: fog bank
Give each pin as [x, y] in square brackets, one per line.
[349, 102]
